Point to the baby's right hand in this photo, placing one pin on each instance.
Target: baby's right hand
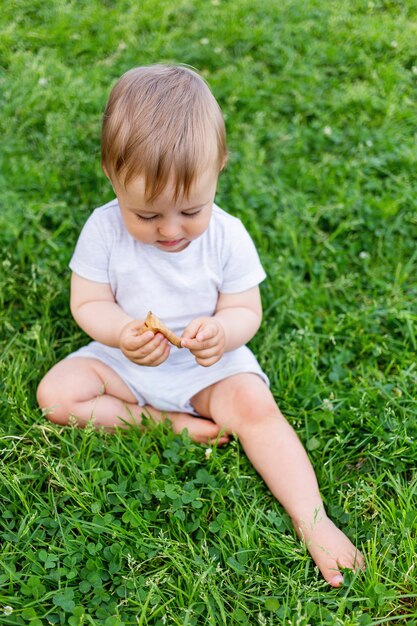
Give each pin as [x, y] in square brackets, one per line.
[143, 348]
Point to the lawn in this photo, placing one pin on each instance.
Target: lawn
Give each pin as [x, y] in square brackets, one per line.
[146, 528]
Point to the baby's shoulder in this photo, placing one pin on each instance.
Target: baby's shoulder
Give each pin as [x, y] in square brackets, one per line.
[223, 221]
[226, 227]
[107, 218]
[108, 212]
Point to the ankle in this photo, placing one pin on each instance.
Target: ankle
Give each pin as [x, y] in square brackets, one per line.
[307, 517]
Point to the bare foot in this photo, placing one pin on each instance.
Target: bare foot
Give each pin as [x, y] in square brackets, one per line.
[329, 547]
[200, 430]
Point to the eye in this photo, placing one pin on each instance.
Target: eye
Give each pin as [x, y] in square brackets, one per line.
[192, 214]
[146, 219]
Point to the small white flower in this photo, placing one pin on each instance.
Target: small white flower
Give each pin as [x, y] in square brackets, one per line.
[394, 44]
[327, 130]
[364, 255]
[328, 405]
[414, 69]
[217, 50]
[208, 452]
[7, 610]
[43, 81]
[369, 143]
[122, 45]
[204, 41]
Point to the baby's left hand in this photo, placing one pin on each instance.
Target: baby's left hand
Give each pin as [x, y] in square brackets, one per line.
[204, 337]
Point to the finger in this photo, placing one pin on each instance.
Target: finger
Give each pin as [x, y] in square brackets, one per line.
[204, 334]
[192, 329]
[207, 332]
[207, 353]
[159, 357]
[158, 348]
[158, 340]
[135, 341]
[155, 358]
[191, 344]
[207, 362]
[142, 345]
[151, 350]
[197, 344]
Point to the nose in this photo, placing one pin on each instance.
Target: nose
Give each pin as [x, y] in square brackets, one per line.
[170, 229]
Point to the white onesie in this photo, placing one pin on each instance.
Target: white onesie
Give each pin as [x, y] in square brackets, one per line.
[177, 287]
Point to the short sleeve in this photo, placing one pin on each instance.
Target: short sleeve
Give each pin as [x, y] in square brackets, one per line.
[91, 255]
[242, 267]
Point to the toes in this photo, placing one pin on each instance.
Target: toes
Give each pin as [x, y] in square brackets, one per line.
[359, 561]
[210, 432]
[221, 441]
[200, 430]
[336, 580]
[353, 561]
[331, 573]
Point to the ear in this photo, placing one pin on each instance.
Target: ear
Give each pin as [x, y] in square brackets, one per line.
[105, 170]
[224, 162]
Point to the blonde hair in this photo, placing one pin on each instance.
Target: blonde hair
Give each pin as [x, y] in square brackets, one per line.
[159, 121]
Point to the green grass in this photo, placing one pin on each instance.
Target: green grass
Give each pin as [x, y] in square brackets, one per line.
[132, 528]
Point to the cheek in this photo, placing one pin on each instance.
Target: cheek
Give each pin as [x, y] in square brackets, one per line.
[138, 230]
[199, 225]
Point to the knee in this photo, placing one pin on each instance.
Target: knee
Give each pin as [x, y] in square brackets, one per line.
[47, 397]
[255, 397]
[43, 393]
[254, 405]
[256, 416]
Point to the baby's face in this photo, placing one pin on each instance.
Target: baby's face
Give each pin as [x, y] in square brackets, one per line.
[166, 223]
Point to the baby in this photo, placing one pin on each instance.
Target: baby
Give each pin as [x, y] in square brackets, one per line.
[163, 245]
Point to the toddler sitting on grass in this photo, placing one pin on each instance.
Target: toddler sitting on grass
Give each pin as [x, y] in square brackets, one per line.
[163, 245]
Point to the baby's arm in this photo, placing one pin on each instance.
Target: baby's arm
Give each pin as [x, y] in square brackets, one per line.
[236, 320]
[98, 314]
[240, 315]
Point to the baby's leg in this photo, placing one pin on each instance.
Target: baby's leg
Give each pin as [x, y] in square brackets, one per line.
[243, 405]
[87, 390]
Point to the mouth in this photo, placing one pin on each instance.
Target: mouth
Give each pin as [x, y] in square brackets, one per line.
[171, 244]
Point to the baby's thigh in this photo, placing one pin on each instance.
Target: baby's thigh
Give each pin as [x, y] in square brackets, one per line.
[76, 380]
